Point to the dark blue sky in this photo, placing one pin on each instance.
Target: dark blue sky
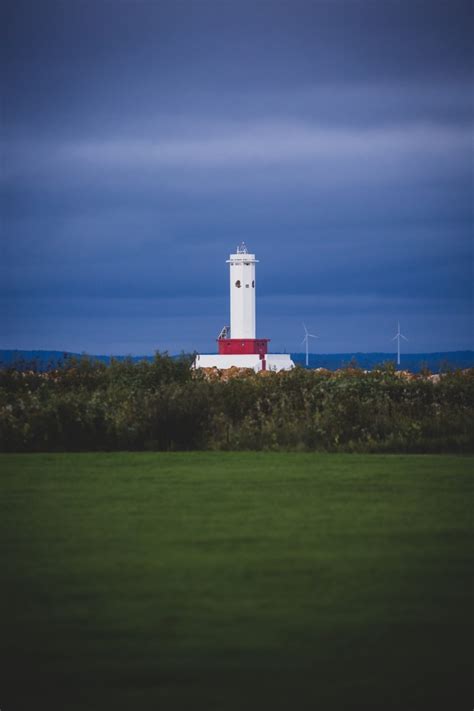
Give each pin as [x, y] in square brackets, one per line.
[142, 140]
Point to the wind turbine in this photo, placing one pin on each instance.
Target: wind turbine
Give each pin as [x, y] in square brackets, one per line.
[306, 338]
[397, 337]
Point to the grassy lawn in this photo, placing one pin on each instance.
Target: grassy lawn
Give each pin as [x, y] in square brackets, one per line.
[226, 582]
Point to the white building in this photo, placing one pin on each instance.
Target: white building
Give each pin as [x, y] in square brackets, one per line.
[241, 348]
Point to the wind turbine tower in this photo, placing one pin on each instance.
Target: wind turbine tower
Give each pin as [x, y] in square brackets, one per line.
[305, 340]
[397, 337]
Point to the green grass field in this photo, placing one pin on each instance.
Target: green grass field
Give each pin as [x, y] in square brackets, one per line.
[225, 581]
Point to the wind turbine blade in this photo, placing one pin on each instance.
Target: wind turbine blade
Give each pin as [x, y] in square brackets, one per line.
[303, 341]
[406, 339]
[312, 335]
[304, 326]
[395, 337]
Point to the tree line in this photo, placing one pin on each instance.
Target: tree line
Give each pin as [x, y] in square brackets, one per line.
[85, 405]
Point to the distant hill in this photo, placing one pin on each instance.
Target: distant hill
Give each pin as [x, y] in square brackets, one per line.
[414, 362]
[44, 360]
[332, 361]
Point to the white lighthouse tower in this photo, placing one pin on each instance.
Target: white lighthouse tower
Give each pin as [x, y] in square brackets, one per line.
[241, 347]
[242, 293]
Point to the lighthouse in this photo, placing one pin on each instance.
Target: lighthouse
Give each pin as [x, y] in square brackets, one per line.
[238, 345]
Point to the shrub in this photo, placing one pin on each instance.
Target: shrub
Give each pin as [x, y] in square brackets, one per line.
[164, 405]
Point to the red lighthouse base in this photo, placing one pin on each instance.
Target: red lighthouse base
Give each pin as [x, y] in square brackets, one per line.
[243, 346]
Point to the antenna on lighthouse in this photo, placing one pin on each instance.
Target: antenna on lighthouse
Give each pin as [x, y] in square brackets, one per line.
[306, 338]
[397, 337]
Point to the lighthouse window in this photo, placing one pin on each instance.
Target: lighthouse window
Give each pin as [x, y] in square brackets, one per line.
[253, 285]
[238, 284]
[246, 286]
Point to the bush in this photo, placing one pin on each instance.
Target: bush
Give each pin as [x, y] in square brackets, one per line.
[164, 405]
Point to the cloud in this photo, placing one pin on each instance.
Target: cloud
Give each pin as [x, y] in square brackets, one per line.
[143, 141]
[267, 143]
[223, 157]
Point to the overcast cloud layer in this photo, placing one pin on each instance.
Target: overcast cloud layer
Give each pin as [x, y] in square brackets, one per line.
[142, 140]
